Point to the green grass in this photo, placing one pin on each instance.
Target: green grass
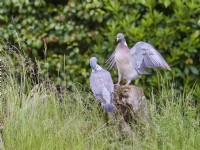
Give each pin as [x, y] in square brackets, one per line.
[35, 116]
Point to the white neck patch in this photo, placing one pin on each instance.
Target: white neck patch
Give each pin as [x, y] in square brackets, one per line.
[98, 67]
[125, 43]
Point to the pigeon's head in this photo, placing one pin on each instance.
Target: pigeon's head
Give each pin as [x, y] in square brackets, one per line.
[120, 37]
[93, 64]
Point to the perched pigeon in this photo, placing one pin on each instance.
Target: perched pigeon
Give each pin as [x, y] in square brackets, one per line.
[102, 85]
[132, 63]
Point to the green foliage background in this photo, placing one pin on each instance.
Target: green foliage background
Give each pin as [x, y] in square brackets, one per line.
[66, 33]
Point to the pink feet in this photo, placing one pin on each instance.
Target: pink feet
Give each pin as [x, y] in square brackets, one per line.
[127, 84]
[117, 85]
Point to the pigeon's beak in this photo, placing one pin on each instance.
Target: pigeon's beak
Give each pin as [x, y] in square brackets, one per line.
[117, 39]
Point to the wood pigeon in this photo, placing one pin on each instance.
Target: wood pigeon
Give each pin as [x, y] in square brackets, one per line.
[102, 86]
[132, 63]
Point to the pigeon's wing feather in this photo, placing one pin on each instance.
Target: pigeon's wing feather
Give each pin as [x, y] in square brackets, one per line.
[146, 56]
[111, 61]
[109, 85]
[108, 82]
[97, 90]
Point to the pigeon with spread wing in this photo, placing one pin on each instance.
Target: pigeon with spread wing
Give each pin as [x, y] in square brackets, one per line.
[132, 63]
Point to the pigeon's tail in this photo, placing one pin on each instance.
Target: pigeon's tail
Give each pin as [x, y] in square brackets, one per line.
[109, 107]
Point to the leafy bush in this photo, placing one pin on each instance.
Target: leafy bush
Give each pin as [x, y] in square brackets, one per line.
[73, 31]
[69, 31]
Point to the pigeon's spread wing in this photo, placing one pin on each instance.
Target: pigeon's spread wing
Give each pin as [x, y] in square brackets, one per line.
[145, 56]
[111, 61]
[101, 81]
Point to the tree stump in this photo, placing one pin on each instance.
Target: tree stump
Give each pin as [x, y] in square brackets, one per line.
[131, 108]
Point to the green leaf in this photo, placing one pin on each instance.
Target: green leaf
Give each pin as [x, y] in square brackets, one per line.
[194, 70]
[167, 3]
[186, 70]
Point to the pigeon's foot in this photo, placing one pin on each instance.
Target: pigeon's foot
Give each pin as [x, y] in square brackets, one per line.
[117, 85]
[127, 84]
